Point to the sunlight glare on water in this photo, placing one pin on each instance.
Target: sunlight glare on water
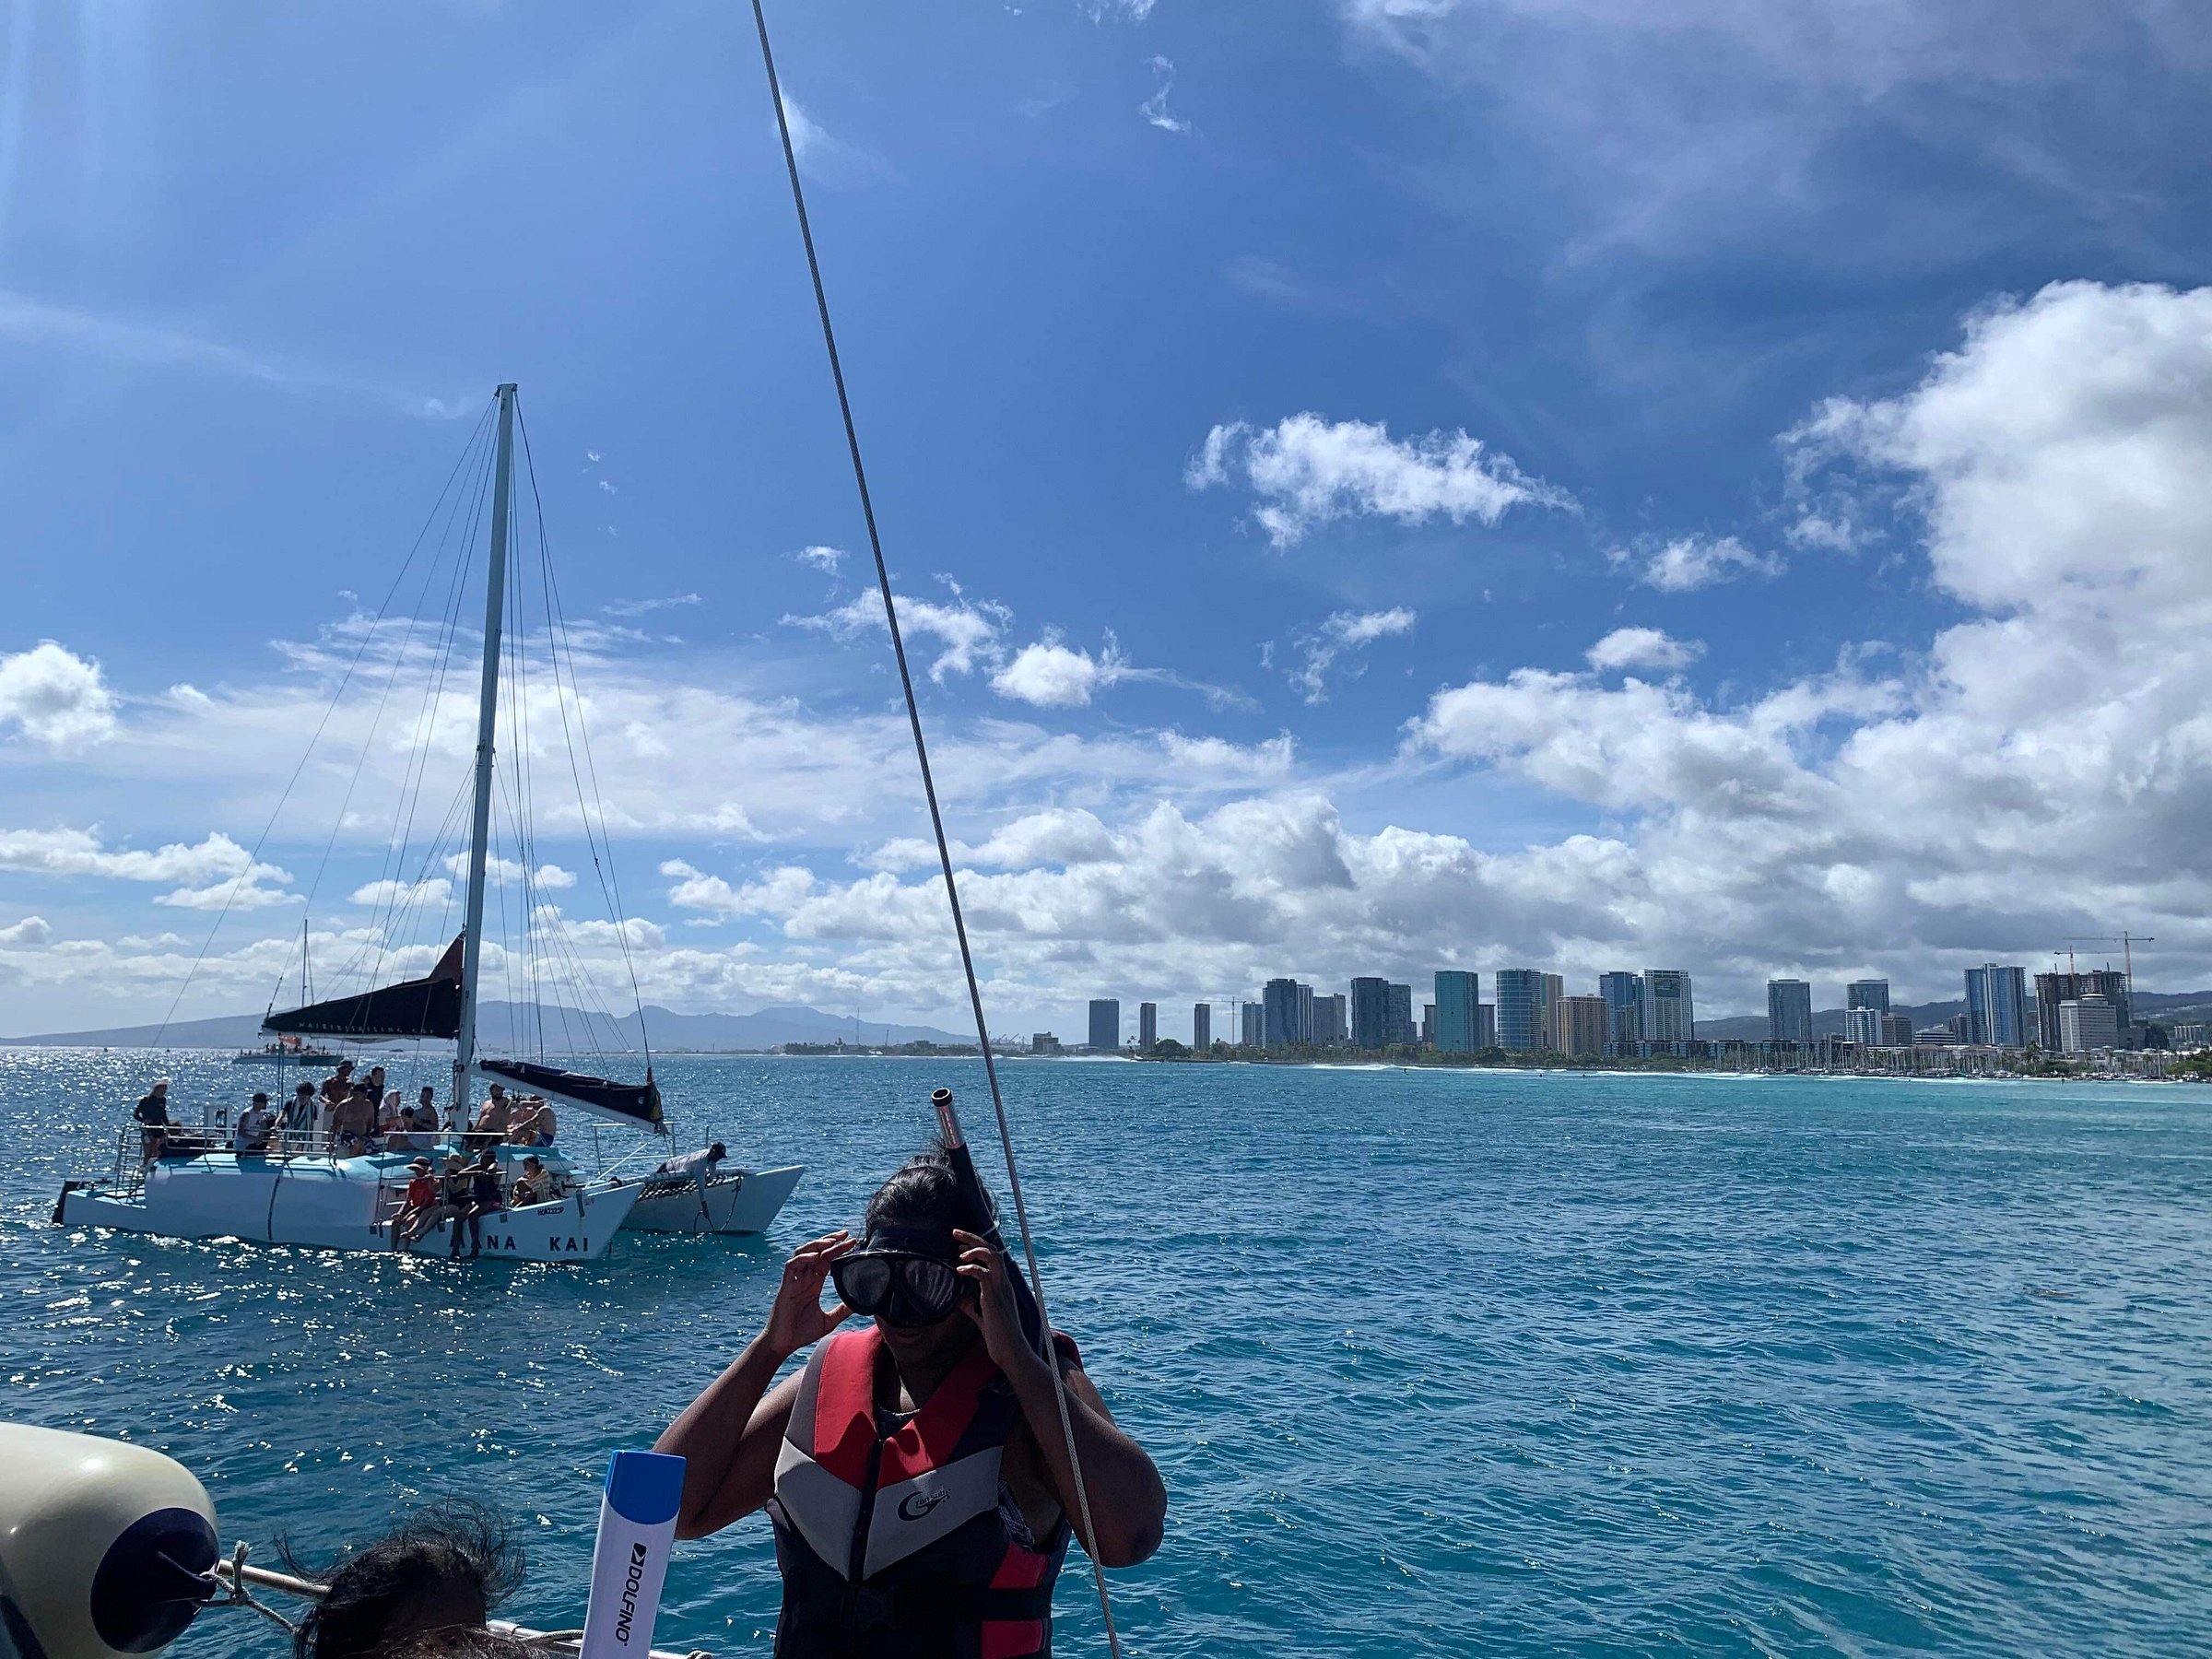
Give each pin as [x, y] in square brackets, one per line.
[1434, 1362]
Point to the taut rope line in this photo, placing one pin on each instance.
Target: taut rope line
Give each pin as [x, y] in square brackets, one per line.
[936, 823]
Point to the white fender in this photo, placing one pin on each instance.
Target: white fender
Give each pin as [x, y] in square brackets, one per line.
[101, 1546]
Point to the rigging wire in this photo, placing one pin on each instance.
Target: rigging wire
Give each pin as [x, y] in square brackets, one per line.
[332, 708]
[559, 638]
[937, 820]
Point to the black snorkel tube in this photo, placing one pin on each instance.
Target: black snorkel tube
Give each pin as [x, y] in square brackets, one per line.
[982, 1216]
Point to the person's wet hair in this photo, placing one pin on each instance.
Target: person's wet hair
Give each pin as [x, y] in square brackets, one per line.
[444, 1568]
[463, 1642]
[924, 1196]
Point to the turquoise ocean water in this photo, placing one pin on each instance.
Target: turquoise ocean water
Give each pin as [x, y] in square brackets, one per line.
[1434, 1362]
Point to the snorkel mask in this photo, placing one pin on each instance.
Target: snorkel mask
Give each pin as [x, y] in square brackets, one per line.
[905, 1277]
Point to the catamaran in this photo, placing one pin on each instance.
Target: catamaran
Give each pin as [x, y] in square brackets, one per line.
[299, 1184]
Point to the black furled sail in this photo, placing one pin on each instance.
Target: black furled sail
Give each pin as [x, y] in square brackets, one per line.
[429, 1007]
[636, 1103]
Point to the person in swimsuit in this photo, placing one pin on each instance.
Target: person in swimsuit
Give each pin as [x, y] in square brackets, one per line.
[152, 1115]
[419, 1214]
[484, 1197]
[928, 1446]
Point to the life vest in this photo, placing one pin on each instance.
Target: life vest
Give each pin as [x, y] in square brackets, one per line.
[896, 1544]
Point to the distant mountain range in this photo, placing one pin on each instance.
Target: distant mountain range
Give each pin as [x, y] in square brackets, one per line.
[566, 1030]
[1829, 1022]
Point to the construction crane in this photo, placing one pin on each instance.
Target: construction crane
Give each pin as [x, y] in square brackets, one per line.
[2127, 943]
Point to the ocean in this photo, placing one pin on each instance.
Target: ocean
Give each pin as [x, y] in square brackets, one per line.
[1434, 1362]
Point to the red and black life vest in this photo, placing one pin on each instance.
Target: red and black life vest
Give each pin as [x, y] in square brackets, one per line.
[895, 1544]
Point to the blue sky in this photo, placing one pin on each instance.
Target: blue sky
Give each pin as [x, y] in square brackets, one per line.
[1396, 483]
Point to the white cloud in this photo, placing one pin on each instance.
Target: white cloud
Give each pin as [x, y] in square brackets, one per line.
[828, 560]
[1053, 675]
[1341, 633]
[81, 853]
[969, 634]
[1688, 562]
[54, 697]
[403, 895]
[1643, 648]
[638, 607]
[1155, 107]
[1306, 471]
[31, 930]
[807, 135]
[506, 872]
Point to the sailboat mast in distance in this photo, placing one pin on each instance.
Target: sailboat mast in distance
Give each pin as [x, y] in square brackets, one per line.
[495, 601]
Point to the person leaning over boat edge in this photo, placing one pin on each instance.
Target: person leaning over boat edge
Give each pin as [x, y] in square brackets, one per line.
[925, 1451]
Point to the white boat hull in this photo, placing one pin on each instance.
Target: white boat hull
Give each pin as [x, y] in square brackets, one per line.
[332, 1203]
[731, 1201]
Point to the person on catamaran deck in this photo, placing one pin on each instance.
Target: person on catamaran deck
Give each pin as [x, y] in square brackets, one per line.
[299, 1114]
[924, 1453]
[532, 1123]
[251, 1133]
[152, 1116]
[492, 1116]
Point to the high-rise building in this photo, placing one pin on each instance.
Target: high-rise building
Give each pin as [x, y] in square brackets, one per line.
[1996, 1006]
[1251, 1024]
[1623, 994]
[1789, 1010]
[1202, 1026]
[2052, 989]
[1897, 1030]
[1668, 1015]
[1401, 1031]
[1147, 1025]
[1555, 987]
[1328, 1018]
[1520, 1009]
[1370, 1013]
[1486, 1026]
[1305, 1013]
[1105, 1023]
[1457, 998]
[2087, 1023]
[1867, 994]
[1580, 1022]
[1427, 1025]
[1864, 1027]
[1279, 1002]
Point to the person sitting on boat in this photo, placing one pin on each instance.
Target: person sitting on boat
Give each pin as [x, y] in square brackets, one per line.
[391, 1124]
[152, 1113]
[374, 1083]
[417, 1211]
[531, 1186]
[532, 1123]
[455, 1189]
[937, 1430]
[424, 1120]
[251, 1133]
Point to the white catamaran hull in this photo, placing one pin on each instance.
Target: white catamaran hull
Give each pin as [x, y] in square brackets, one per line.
[731, 1201]
[331, 1203]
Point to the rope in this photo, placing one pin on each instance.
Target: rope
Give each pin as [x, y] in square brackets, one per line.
[936, 821]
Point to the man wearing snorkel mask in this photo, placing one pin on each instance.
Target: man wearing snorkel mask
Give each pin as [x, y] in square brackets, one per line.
[915, 1470]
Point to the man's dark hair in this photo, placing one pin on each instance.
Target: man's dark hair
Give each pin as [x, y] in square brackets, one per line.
[923, 1195]
[449, 1546]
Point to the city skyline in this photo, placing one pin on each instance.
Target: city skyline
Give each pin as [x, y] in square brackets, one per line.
[1532, 1010]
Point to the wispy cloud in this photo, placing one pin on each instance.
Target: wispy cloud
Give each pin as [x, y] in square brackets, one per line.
[1306, 471]
[1688, 562]
[1155, 107]
[1339, 635]
[828, 560]
[42, 324]
[638, 607]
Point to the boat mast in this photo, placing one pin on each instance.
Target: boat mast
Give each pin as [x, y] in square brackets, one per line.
[495, 601]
